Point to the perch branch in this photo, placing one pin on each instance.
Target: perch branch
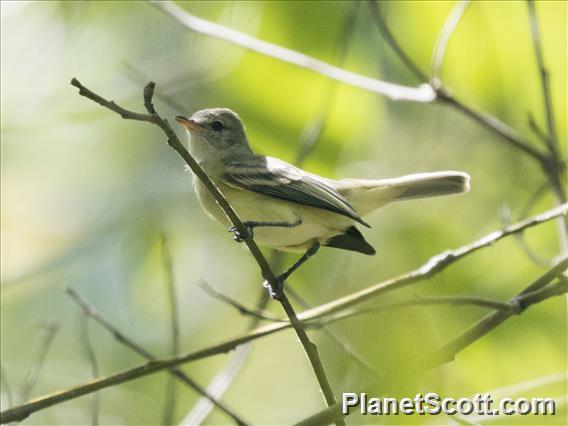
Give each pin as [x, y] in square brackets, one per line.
[175, 143]
[308, 139]
[434, 265]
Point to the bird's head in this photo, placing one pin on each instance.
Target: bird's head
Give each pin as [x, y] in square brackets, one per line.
[215, 132]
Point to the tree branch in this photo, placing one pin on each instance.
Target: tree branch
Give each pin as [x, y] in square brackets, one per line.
[391, 40]
[396, 92]
[90, 312]
[254, 313]
[434, 265]
[267, 273]
[307, 142]
[419, 301]
[556, 165]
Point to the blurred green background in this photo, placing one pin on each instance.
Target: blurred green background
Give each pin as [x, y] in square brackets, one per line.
[85, 196]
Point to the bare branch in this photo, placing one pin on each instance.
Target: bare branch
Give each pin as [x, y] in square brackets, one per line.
[396, 92]
[170, 397]
[551, 140]
[89, 311]
[347, 313]
[434, 265]
[555, 167]
[92, 358]
[494, 124]
[341, 341]
[267, 273]
[255, 313]
[391, 40]
[536, 129]
[419, 301]
[308, 140]
[443, 39]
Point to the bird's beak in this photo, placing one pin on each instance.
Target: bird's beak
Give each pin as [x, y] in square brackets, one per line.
[189, 124]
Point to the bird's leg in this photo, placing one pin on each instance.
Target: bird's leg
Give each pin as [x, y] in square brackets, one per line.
[277, 292]
[250, 225]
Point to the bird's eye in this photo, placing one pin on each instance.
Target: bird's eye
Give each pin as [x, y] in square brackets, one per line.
[217, 126]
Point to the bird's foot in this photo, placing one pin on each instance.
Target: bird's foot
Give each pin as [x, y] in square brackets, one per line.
[240, 236]
[278, 291]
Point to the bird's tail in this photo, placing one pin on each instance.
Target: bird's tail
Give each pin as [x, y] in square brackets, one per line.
[429, 185]
[369, 195]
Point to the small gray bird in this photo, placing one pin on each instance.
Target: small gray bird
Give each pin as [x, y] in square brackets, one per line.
[288, 208]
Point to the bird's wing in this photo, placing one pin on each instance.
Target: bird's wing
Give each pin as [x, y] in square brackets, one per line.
[276, 178]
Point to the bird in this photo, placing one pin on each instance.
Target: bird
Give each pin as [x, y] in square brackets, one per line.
[285, 207]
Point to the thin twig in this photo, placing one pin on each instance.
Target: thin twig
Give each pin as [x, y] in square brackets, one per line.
[506, 219]
[536, 129]
[434, 265]
[90, 312]
[45, 337]
[492, 123]
[423, 93]
[421, 301]
[326, 328]
[92, 358]
[556, 165]
[314, 128]
[551, 140]
[175, 143]
[391, 40]
[170, 397]
[443, 39]
[255, 313]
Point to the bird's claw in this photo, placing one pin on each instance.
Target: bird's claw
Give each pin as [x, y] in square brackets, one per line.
[239, 236]
[278, 292]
